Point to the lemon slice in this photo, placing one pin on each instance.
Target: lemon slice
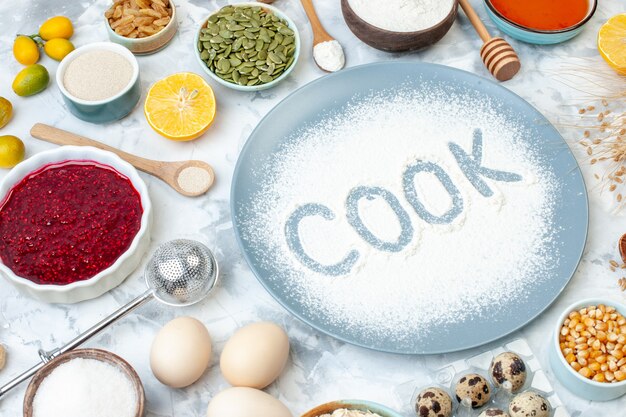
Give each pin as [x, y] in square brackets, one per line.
[181, 106]
[612, 42]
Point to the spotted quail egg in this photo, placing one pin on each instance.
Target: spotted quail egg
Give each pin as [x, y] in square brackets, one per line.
[529, 404]
[493, 412]
[475, 387]
[508, 366]
[433, 402]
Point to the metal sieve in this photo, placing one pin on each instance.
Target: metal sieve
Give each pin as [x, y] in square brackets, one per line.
[181, 272]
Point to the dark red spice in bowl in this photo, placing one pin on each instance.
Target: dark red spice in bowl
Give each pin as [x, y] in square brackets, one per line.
[68, 221]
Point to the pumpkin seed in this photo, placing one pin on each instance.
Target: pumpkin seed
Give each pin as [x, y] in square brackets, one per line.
[265, 78]
[285, 31]
[246, 45]
[274, 58]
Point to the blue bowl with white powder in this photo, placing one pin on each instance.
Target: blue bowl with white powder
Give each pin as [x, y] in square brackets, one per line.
[399, 25]
[99, 82]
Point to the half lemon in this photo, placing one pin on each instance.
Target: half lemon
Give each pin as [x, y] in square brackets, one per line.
[181, 106]
[612, 42]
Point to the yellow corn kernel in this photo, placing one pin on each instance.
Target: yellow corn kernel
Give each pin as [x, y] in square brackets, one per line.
[586, 372]
[574, 315]
[599, 378]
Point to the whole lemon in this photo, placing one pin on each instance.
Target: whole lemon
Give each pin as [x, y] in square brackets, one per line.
[6, 111]
[58, 48]
[56, 27]
[11, 151]
[31, 80]
[25, 50]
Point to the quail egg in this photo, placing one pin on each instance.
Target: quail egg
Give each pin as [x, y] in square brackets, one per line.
[493, 412]
[433, 402]
[529, 404]
[474, 387]
[508, 366]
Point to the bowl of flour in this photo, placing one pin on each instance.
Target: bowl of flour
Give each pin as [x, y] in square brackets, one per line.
[351, 408]
[399, 25]
[99, 82]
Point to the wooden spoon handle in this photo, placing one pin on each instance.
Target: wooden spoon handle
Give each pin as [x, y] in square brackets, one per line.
[319, 33]
[475, 20]
[61, 137]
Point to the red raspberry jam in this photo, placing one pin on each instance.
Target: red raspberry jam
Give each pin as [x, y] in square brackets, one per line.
[68, 221]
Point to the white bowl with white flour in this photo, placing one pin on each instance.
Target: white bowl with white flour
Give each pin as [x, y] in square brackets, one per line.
[399, 25]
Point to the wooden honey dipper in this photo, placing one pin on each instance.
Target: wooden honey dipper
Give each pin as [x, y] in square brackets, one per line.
[499, 57]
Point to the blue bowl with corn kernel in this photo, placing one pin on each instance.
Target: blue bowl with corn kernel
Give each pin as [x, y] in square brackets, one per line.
[588, 349]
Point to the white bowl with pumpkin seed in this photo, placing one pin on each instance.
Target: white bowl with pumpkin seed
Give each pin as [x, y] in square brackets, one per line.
[248, 46]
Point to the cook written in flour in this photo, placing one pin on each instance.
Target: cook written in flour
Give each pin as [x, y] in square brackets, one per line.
[471, 166]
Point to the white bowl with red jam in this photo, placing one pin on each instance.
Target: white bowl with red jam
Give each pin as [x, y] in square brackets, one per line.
[74, 223]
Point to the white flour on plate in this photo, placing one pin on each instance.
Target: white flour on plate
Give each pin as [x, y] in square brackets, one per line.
[491, 252]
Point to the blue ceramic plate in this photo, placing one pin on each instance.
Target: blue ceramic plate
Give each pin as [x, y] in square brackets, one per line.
[331, 95]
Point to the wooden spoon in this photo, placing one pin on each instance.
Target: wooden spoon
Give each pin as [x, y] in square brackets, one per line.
[499, 57]
[319, 33]
[169, 172]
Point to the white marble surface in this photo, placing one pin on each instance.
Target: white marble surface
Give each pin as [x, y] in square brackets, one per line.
[320, 369]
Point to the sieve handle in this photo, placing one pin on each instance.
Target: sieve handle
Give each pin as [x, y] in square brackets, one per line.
[79, 340]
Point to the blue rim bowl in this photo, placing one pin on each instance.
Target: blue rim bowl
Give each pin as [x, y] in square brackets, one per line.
[360, 405]
[109, 109]
[538, 36]
[258, 87]
[569, 378]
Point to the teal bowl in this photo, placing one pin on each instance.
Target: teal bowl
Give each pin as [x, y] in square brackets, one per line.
[360, 405]
[112, 108]
[537, 36]
[258, 87]
[567, 376]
